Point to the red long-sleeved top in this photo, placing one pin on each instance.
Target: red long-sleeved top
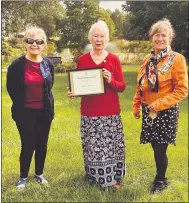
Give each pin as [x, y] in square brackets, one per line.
[34, 86]
[108, 103]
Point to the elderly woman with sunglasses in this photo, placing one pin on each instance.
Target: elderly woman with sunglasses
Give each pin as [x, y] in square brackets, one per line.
[29, 82]
[162, 83]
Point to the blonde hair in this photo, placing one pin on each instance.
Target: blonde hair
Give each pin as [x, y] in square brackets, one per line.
[161, 25]
[103, 26]
[31, 29]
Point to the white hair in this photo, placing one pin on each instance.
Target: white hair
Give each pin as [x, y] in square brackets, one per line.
[31, 29]
[103, 26]
[161, 25]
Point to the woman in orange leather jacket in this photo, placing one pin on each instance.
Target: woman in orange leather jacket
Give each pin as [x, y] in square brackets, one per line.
[162, 82]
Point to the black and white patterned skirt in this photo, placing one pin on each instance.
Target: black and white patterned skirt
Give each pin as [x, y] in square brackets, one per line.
[103, 148]
[162, 129]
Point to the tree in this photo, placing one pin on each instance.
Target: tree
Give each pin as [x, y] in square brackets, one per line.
[80, 15]
[74, 27]
[12, 17]
[118, 18]
[141, 15]
[179, 19]
[106, 16]
[17, 14]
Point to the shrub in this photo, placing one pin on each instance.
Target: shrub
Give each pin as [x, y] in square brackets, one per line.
[16, 43]
[59, 69]
[133, 46]
[51, 48]
[6, 49]
[62, 68]
[130, 58]
[11, 49]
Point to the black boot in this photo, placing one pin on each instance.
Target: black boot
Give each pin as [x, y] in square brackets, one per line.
[159, 185]
[165, 182]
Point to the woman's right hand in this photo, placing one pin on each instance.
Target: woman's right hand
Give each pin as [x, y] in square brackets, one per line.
[137, 115]
[70, 95]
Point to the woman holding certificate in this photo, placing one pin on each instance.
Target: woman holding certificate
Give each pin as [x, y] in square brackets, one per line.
[101, 126]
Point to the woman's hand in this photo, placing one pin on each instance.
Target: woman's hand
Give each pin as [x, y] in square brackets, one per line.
[70, 95]
[137, 115]
[107, 75]
[151, 108]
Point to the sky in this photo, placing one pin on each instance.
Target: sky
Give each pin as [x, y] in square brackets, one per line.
[111, 5]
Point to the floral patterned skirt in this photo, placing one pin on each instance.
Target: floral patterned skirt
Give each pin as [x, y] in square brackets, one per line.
[103, 148]
[162, 129]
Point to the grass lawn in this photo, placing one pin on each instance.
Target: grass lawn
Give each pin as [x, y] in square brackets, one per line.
[64, 162]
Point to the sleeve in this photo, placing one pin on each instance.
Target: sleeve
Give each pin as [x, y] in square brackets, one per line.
[51, 67]
[118, 82]
[180, 86]
[11, 83]
[136, 101]
[52, 72]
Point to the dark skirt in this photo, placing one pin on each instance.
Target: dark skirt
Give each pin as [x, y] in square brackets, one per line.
[103, 148]
[162, 129]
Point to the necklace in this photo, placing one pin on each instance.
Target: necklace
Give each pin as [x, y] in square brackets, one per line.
[150, 116]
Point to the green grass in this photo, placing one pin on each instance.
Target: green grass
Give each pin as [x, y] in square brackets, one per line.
[64, 162]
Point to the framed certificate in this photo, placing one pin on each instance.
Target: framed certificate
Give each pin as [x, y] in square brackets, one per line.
[86, 81]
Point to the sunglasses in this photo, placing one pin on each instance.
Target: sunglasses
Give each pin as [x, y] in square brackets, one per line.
[31, 41]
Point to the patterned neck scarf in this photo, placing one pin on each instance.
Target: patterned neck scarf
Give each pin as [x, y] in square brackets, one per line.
[151, 69]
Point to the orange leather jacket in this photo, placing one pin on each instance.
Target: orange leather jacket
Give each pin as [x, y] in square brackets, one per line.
[173, 85]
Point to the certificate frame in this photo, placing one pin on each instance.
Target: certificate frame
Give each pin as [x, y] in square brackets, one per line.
[86, 81]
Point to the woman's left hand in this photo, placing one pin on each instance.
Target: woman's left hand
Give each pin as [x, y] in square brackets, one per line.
[151, 108]
[107, 75]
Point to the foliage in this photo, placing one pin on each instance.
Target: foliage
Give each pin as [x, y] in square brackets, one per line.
[64, 166]
[131, 58]
[141, 15]
[118, 19]
[15, 42]
[49, 12]
[70, 23]
[134, 46]
[80, 16]
[62, 68]
[179, 20]
[51, 48]
[13, 17]
[11, 49]
[76, 52]
[106, 16]
[74, 28]
[59, 68]
[17, 14]
[6, 48]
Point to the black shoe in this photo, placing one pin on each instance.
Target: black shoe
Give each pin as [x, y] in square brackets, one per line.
[165, 182]
[90, 180]
[158, 186]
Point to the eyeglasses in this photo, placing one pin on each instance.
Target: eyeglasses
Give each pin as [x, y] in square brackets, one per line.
[31, 41]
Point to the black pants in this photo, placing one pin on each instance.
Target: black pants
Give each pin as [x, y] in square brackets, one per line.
[34, 130]
[160, 159]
